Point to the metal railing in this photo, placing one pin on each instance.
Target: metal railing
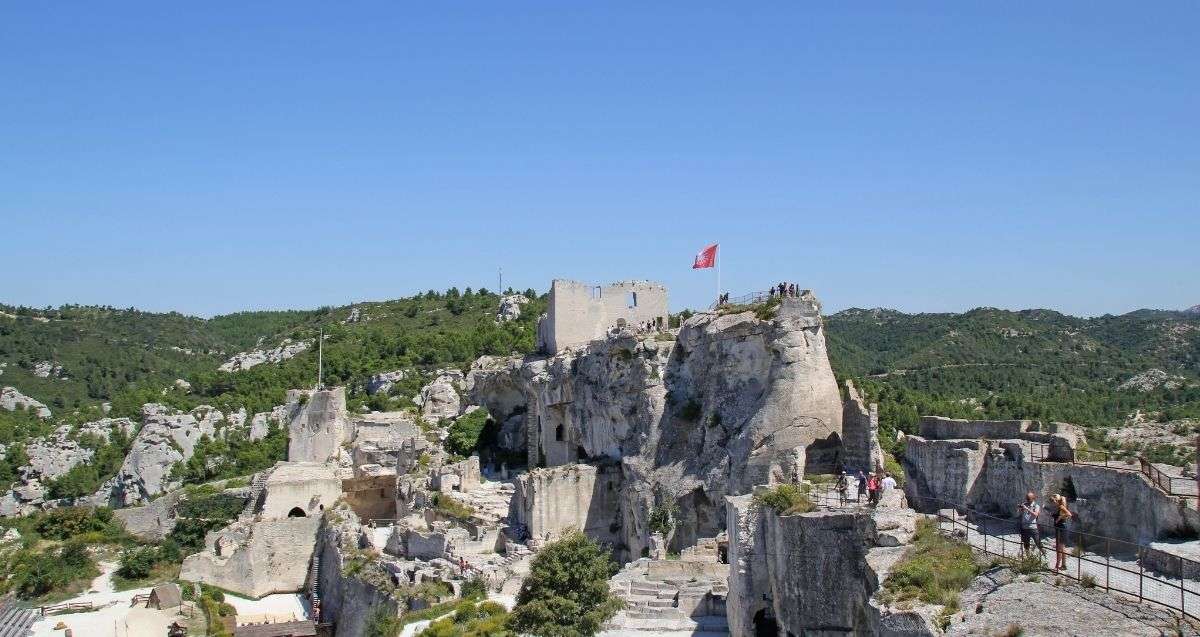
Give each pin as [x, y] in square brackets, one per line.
[1092, 560]
[1177, 486]
[745, 299]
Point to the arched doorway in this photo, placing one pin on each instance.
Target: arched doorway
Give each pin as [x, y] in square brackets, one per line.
[297, 512]
[765, 624]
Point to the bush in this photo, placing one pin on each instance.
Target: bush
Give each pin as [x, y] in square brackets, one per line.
[566, 591]
[67, 522]
[138, 562]
[786, 499]
[935, 569]
[471, 434]
[34, 573]
[451, 507]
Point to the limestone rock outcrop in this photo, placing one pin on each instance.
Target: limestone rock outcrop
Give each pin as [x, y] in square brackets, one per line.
[440, 399]
[733, 401]
[382, 382]
[1151, 380]
[320, 426]
[12, 400]
[245, 360]
[166, 438]
[510, 307]
[799, 574]
[47, 369]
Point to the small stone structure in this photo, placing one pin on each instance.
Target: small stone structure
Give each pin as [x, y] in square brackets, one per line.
[298, 489]
[579, 313]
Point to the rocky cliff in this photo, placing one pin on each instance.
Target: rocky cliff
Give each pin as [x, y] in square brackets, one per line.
[733, 400]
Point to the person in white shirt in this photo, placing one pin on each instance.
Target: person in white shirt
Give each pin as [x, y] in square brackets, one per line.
[888, 483]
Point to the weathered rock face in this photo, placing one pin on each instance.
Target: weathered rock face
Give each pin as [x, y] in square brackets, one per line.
[165, 439]
[799, 574]
[577, 496]
[256, 558]
[733, 402]
[383, 381]
[510, 307]
[347, 600]
[999, 602]
[320, 425]
[246, 360]
[440, 399]
[860, 433]
[12, 400]
[53, 456]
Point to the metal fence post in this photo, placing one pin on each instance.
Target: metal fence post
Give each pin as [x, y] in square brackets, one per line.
[1079, 559]
[1141, 571]
[1107, 567]
[1181, 594]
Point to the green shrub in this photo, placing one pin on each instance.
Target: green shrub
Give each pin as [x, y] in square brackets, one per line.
[935, 569]
[786, 499]
[471, 433]
[566, 591]
[138, 562]
[451, 507]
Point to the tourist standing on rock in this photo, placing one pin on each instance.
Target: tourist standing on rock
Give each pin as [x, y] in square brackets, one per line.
[873, 489]
[888, 483]
[1030, 510]
[843, 484]
[862, 485]
[1061, 516]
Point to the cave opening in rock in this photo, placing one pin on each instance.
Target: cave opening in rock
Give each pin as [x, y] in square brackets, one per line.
[297, 512]
[765, 624]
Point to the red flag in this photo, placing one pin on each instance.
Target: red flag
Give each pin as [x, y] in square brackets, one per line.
[706, 258]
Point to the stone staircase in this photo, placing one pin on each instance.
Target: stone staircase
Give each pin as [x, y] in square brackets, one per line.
[256, 488]
[673, 604]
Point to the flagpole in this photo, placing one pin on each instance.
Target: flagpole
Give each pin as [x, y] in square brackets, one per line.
[718, 274]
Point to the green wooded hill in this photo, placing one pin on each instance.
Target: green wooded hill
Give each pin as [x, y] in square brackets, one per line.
[1029, 364]
[127, 357]
[982, 363]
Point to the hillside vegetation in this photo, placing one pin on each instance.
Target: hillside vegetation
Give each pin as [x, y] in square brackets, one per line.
[1039, 364]
[986, 363]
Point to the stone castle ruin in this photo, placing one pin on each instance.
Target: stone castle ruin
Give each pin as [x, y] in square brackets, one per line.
[580, 313]
[618, 422]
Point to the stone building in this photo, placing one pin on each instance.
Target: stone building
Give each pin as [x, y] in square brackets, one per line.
[579, 313]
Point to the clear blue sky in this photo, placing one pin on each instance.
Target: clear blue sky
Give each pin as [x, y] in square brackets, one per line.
[211, 157]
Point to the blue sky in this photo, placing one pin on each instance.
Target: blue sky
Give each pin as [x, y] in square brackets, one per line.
[211, 157]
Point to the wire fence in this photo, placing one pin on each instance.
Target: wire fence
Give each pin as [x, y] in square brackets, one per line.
[1116, 565]
[1178, 486]
[1142, 572]
[745, 299]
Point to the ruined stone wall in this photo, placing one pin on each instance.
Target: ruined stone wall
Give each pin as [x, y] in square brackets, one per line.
[1109, 502]
[256, 558]
[320, 426]
[806, 573]
[940, 428]
[372, 497]
[584, 497]
[579, 313]
[309, 487]
[347, 601]
[860, 433]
